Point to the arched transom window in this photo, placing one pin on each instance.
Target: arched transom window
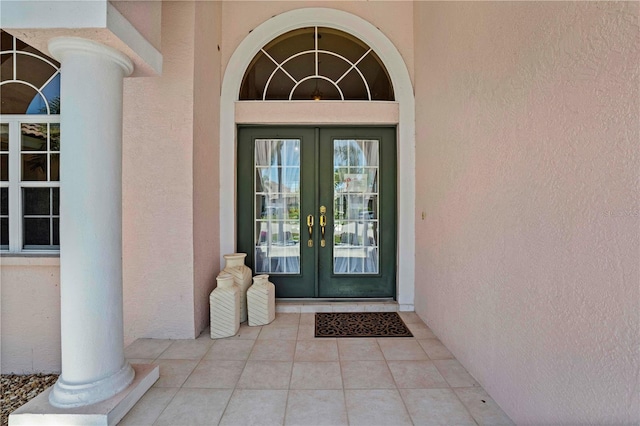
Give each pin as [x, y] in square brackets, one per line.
[29, 80]
[316, 63]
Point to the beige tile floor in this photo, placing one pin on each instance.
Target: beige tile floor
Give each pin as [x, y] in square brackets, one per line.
[279, 374]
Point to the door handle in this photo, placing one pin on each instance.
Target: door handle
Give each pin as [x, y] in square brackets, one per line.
[323, 223]
[310, 228]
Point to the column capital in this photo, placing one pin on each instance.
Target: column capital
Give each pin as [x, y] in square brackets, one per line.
[59, 47]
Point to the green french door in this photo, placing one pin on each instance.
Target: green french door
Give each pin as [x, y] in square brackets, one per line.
[317, 209]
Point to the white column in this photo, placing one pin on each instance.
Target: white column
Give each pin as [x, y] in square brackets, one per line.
[93, 364]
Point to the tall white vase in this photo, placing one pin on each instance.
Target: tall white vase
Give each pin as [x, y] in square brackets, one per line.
[224, 305]
[234, 265]
[261, 301]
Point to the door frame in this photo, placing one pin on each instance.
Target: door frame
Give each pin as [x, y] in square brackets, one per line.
[338, 113]
[316, 278]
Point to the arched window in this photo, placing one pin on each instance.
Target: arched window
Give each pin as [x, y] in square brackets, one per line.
[316, 63]
[29, 147]
[29, 80]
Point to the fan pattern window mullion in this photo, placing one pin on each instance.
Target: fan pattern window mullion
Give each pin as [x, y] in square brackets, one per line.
[317, 84]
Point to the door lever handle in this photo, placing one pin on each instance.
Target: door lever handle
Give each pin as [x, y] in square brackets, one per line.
[310, 228]
[323, 223]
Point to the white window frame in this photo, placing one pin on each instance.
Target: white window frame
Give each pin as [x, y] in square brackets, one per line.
[15, 183]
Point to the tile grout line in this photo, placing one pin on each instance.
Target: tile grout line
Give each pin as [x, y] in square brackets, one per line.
[404, 404]
[286, 403]
[166, 406]
[465, 406]
[445, 379]
[171, 399]
[176, 392]
[235, 386]
[286, 414]
[344, 391]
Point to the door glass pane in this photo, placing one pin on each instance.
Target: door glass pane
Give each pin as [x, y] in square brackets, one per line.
[355, 201]
[277, 206]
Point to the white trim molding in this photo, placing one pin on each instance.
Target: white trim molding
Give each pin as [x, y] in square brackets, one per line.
[37, 21]
[403, 89]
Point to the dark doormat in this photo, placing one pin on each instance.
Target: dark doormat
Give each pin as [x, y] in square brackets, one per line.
[360, 324]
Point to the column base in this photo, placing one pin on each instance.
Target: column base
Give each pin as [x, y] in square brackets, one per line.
[66, 395]
[109, 412]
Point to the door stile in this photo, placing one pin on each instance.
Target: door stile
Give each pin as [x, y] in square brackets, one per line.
[316, 207]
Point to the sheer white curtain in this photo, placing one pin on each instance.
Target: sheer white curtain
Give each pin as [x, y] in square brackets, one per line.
[370, 229]
[278, 172]
[357, 250]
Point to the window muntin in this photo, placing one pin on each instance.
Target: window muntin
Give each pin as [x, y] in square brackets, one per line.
[29, 148]
[316, 63]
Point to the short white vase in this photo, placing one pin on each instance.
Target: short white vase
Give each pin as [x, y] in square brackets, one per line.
[224, 304]
[234, 265]
[261, 301]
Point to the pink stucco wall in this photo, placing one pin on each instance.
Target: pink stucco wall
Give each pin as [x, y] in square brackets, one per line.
[170, 202]
[527, 175]
[170, 180]
[30, 314]
[206, 132]
[145, 16]
[158, 199]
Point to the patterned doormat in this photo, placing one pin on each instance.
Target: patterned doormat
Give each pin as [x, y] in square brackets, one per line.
[361, 324]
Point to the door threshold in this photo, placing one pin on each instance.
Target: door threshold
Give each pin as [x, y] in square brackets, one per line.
[335, 300]
[335, 305]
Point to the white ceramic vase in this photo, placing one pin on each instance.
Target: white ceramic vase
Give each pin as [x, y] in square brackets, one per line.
[234, 265]
[224, 305]
[261, 301]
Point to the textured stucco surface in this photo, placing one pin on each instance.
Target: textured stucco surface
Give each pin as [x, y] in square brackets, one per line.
[145, 16]
[205, 156]
[158, 252]
[170, 231]
[30, 293]
[528, 165]
[527, 174]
